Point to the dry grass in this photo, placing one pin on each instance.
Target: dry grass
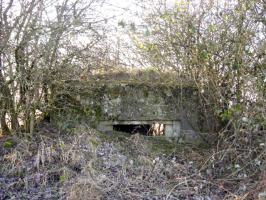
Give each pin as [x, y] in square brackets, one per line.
[90, 165]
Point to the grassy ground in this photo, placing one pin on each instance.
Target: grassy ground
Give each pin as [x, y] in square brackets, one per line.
[91, 165]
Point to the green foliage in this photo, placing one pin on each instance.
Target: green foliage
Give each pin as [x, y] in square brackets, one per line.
[63, 178]
[226, 115]
[98, 112]
[64, 175]
[146, 93]
[212, 28]
[167, 17]
[62, 145]
[236, 65]
[204, 55]
[122, 23]
[9, 144]
[229, 113]
[192, 29]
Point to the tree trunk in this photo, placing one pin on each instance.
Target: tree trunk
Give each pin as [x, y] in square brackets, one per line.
[8, 104]
[4, 127]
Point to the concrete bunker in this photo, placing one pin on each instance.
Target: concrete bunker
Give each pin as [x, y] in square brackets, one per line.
[148, 109]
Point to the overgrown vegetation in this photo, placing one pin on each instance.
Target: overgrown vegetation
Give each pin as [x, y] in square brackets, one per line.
[92, 165]
[217, 46]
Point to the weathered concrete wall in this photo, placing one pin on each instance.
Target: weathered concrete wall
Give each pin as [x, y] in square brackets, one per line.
[101, 102]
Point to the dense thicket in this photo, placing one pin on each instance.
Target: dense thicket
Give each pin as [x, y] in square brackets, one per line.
[218, 44]
[43, 41]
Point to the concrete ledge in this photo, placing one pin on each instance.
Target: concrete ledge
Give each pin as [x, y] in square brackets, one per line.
[136, 122]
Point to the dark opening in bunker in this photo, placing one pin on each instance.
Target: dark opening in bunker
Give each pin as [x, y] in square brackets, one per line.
[143, 129]
[153, 129]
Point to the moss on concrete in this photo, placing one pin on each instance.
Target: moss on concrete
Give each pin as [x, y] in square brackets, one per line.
[93, 101]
